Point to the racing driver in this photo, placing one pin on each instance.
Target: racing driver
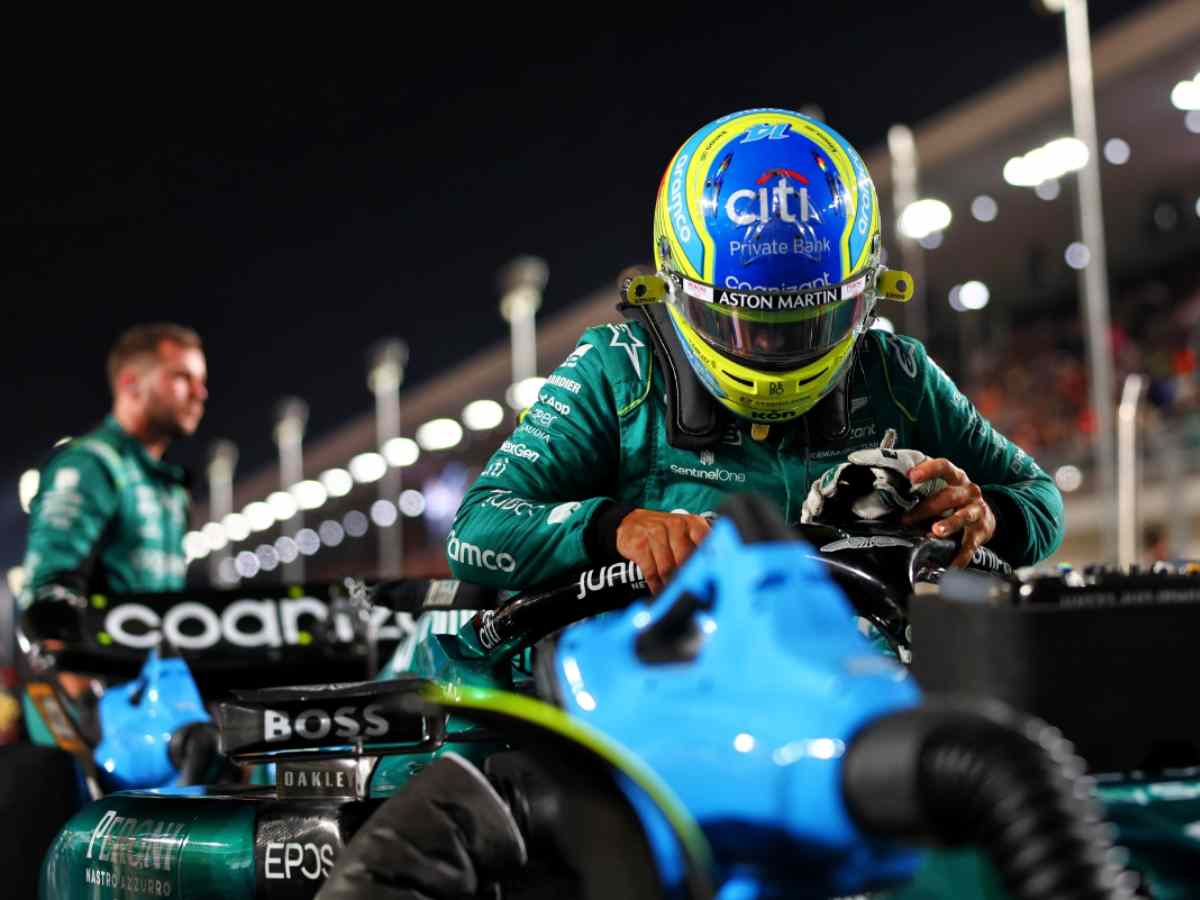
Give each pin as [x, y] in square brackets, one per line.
[747, 363]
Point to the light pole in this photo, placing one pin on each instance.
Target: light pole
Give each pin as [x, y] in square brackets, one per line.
[1129, 531]
[1093, 277]
[222, 460]
[291, 415]
[385, 374]
[902, 147]
[521, 284]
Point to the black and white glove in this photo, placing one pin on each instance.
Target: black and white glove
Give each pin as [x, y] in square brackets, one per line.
[872, 484]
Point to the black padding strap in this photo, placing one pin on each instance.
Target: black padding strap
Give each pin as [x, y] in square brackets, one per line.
[694, 420]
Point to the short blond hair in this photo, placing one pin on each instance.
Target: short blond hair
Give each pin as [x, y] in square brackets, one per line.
[143, 340]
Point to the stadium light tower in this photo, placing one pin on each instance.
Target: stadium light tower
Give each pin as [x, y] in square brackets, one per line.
[291, 415]
[387, 360]
[521, 284]
[222, 460]
[1093, 277]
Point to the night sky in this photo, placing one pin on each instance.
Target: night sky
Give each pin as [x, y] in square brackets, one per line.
[294, 200]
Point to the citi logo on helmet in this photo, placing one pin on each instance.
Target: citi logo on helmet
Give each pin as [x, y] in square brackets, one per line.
[747, 207]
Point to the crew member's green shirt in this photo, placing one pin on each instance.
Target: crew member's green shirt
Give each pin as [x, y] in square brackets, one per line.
[107, 517]
[597, 434]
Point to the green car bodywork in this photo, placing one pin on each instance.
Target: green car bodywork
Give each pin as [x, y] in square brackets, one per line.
[202, 843]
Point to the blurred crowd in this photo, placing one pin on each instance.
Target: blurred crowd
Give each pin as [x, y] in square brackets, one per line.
[1032, 381]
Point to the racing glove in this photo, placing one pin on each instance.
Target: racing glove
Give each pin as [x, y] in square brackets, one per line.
[873, 484]
[446, 834]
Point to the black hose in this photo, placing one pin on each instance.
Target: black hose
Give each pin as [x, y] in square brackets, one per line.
[981, 774]
[194, 751]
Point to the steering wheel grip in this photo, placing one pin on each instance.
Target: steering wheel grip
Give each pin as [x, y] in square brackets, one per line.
[938, 553]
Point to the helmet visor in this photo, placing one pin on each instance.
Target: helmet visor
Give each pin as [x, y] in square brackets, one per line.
[776, 329]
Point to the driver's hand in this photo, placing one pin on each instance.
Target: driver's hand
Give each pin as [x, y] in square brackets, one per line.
[960, 501]
[659, 542]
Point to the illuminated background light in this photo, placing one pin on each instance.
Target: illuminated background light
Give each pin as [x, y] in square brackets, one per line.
[237, 527]
[1192, 121]
[1064, 155]
[931, 241]
[268, 558]
[1048, 189]
[283, 505]
[439, 434]
[307, 541]
[974, 295]
[309, 494]
[1186, 94]
[412, 503]
[368, 467]
[1019, 174]
[383, 513]
[355, 523]
[1116, 151]
[259, 515]
[214, 534]
[195, 546]
[955, 300]
[1048, 162]
[923, 217]
[331, 533]
[337, 482]
[401, 451]
[984, 208]
[27, 487]
[1077, 255]
[246, 564]
[524, 393]
[743, 743]
[287, 548]
[482, 415]
[1068, 478]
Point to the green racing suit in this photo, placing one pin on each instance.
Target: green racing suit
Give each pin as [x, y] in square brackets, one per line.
[594, 446]
[107, 517]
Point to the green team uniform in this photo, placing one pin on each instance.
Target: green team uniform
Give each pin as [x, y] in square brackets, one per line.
[596, 438]
[107, 517]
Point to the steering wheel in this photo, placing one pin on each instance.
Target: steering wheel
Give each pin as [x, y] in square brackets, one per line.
[880, 565]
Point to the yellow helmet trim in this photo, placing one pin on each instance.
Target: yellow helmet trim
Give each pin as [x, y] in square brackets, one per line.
[766, 396]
